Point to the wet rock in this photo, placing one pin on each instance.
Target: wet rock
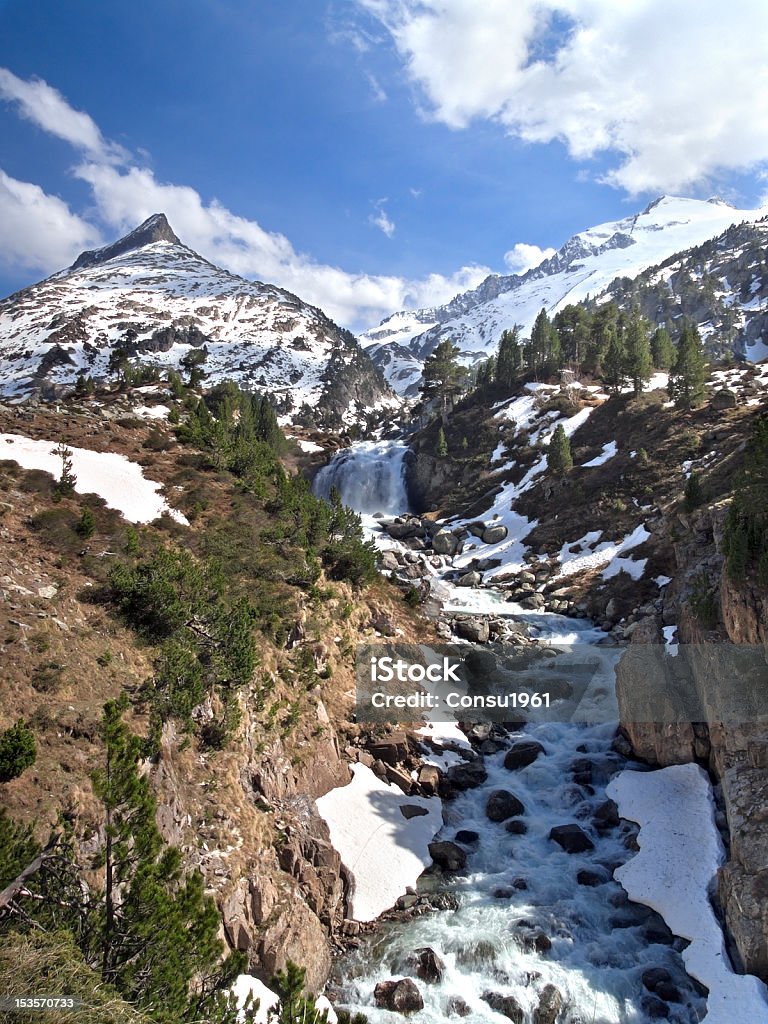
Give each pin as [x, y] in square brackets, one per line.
[606, 816]
[425, 964]
[503, 893]
[532, 939]
[516, 827]
[550, 1005]
[448, 856]
[591, 879]
[467, 836]
[461, 777]
[522, 754]
[571, 838]
[520, 884]
[502, 805]
[508, 1006]
[656, 976]
[457, 1007]
[582, 771]
[654, 1008]
[400, 996]
[480, 954]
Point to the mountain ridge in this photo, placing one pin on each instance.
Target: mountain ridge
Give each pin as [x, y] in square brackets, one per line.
[584, 266]
[155, 298]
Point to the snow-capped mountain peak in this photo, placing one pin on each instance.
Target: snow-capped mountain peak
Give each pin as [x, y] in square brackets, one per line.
[583, 267]
[156, 299]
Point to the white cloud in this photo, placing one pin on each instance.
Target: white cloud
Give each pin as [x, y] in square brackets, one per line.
[522, 257]
[381, 220]
[46, 107]
[38, 232]
[126, 197]
[679, 90]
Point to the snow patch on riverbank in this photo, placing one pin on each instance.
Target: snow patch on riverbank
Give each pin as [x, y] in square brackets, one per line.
[383, 851]
[680, 852]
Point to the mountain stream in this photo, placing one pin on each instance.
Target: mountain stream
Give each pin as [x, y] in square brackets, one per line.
[527, 932]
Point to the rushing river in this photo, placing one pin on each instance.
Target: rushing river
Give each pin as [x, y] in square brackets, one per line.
[526, 914]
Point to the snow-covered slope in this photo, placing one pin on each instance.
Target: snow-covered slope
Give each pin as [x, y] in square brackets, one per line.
[585, 266]
[157, 298]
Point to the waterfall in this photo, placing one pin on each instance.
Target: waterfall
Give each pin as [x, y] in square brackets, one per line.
[369, 476]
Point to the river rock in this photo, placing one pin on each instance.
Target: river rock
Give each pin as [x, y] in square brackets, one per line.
[404, 529]
[508, 1006]
[606, 816]
[516, 827]
[429, 779]
[502, 805]
[457, 1007]
[522, 754]
[476, 630]
[470, 579]
[494, 534]
[425, 964]
[477, 529]
[448, 856]
[400, 996]
[654, 1008]
[572, 838]
[550, 1005]
[445, 543]
[462, 776]
[467, 836]
[591, 879]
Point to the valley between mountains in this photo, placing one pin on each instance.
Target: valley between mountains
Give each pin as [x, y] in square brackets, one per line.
[212, 497]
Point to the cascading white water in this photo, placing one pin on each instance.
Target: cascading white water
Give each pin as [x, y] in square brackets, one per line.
[369, 476]
[518, 885]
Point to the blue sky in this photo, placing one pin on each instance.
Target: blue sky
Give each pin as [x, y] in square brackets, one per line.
[367, 154]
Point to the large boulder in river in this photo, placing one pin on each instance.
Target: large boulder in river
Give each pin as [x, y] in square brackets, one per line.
[445, 543]
[400, 996]
[507, 1006]
[550, 1005]
[572, 838]
[477, 631]
[502, 805]
[448, 856]
[424, 963]
[521, 754]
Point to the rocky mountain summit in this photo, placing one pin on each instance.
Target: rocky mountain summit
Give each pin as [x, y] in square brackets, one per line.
[154, 298]
[587, 266]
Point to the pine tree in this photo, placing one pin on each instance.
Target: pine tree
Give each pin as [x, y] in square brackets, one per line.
[639, 364]
[67, 480]
[559, 458]
[443, 377]
[18, 751]
[689, 374]
[509, 362]
[662, 349]
[158, 934]
[615, 361]
[694, 495]
[86, 526]
[544, 350]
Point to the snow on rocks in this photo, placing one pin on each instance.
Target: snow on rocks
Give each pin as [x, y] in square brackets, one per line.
[120, 482]
[680, 852]
[383, 851]
[608, 452]
[582, 555]
[246, 985]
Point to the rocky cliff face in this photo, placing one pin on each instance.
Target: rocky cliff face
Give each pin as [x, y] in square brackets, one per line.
[734, 749]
